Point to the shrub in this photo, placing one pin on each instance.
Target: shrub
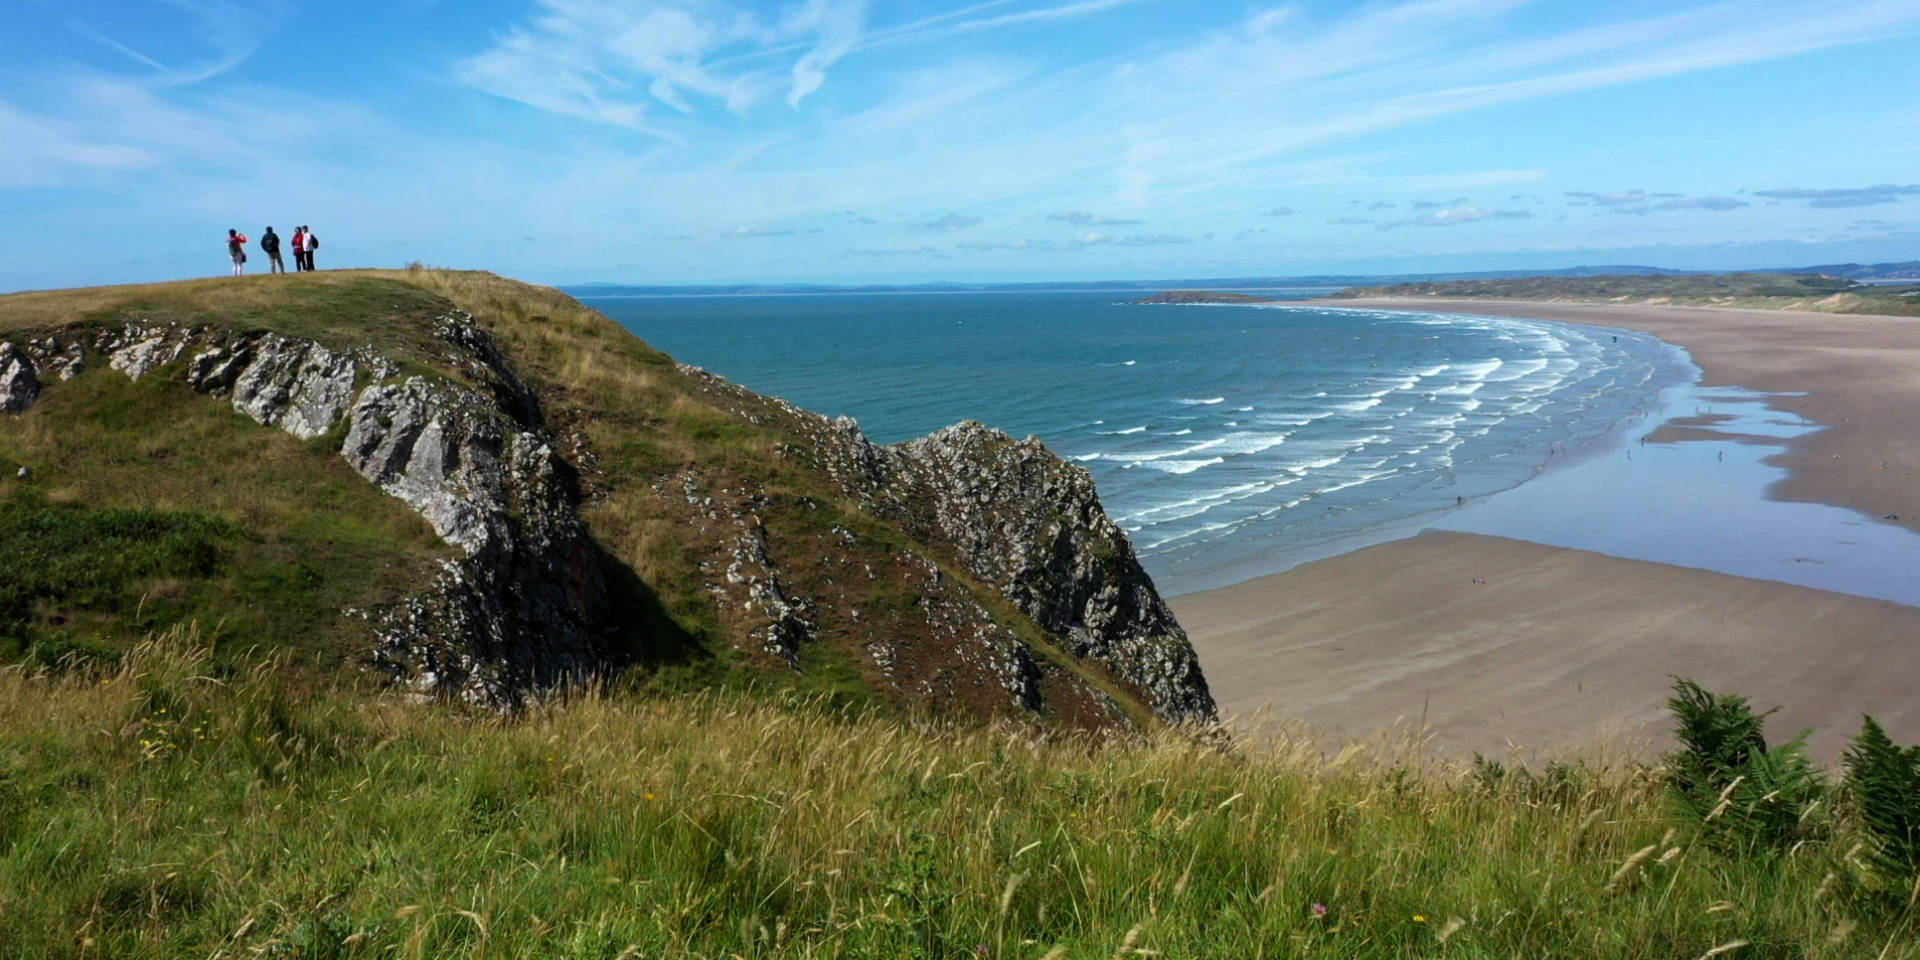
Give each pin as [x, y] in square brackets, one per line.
[1744, 795]
[1883, 781]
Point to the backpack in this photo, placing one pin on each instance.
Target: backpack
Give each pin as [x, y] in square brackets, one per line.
[313, 242]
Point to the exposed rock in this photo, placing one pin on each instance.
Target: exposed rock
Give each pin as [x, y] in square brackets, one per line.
[1031, 524]
[137, 349]
[526, 606]
[788, 621]
[1026, 523]
[64, 361]
[298, 385]
[19, 380]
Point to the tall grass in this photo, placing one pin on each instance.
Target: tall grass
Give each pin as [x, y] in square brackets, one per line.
[157, 809]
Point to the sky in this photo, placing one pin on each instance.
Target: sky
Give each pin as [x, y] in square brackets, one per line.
[846, 141]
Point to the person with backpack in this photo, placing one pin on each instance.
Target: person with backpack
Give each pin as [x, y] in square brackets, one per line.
[237, 249]
[270, 245]
[299, 248]
[313, 243]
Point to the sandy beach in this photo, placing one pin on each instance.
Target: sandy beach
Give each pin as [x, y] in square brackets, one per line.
[1562, 650]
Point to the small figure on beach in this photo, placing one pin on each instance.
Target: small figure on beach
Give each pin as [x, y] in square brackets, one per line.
[299, 249]
[270, 245]
[237, 249]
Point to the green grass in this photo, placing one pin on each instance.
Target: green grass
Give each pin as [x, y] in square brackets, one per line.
[149, 505]
[153, 809]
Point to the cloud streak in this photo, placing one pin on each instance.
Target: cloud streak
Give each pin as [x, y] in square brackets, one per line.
[1845, 196]
[1457, 216]
[1080, 218]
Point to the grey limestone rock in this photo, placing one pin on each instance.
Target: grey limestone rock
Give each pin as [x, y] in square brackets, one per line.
[1029, 524]
[136, 349]
[63, 360]
[19, 379]
[525, 606]
[298, 385]
[1032, 525]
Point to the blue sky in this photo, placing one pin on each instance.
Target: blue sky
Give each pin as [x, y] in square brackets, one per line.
[845, 141]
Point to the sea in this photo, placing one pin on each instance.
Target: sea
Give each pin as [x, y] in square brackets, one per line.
[1230, 441]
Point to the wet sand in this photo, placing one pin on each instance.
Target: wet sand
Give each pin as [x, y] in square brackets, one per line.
[1562, 650]
[1860, 374]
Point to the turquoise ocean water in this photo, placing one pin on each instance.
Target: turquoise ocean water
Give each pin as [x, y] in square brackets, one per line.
[1230, 441]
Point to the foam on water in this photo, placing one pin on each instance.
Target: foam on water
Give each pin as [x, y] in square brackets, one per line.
[1343, 421]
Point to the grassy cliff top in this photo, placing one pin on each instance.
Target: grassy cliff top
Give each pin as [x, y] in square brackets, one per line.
[283, 534]
[1754, 290]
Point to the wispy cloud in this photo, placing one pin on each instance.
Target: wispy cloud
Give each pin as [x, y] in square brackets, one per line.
[1129, 240]
[1713, 204]
[1090, 219]
[886, 253]
[1845, 196]
[743, 232]
[1621, 198]
[1280, 212]
[1456, 216]
[951, 223]
[589, 58]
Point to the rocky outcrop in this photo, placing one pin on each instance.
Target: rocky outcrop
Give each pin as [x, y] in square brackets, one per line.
[525, 605]
[1032, 525]
[19, 379]
[1027, 524]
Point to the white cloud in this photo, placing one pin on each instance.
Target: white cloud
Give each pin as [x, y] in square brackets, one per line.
[1455, 216]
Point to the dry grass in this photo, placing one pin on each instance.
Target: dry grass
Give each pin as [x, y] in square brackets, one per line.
[160, 811]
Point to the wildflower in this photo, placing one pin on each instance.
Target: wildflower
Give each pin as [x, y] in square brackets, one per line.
[649, 798]
[1419, 919]
[1319, 910]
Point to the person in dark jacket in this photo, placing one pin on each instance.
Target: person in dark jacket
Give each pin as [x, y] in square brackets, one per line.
[270, 245]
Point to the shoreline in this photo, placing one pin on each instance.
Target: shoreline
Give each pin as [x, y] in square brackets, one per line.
[1856, 375]
[1579, 654]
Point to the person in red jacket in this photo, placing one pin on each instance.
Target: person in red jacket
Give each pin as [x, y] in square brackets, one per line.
[299, 249]
[237, 249]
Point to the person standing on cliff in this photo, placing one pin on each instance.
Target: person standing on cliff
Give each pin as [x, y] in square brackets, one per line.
[237, 249]
[299, 249]
[270, 245]
[313, 243]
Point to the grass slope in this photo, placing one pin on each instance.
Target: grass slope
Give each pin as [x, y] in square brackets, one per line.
[1757, 290]
[149, 811]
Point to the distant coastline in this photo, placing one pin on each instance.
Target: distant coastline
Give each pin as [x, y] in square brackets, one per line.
[1204, 296]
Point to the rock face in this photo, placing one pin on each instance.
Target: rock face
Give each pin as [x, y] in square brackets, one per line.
[525, 607]
[1031, 525]
[19, 379]
[1027, 524]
